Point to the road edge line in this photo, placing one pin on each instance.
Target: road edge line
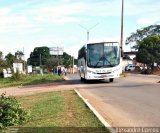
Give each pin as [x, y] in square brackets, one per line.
[101, 119]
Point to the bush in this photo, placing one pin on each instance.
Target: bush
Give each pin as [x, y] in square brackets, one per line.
[11, 112]
[146, 71]
[17, 76]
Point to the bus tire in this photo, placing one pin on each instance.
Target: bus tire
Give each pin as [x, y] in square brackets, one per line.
[85, 80]
[111, 79]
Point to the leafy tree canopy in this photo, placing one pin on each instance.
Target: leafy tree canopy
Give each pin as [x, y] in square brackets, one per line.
[19, 55]
[3, 63]
[10, 58]
[47, 59]
[39, 55]
[44, 51]
[149, 50]
[143, 33]
[1, 55]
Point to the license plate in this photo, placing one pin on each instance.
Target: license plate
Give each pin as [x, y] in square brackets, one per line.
[103, 76]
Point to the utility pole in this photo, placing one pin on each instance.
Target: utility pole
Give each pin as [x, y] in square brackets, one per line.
[24, 62]
[40, 60]
[58, 54]
[88, 29]
[73, 63]
[121, 40]
[40, 63]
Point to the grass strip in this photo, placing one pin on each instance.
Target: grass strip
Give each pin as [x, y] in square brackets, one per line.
[30, 80]
[59, 112]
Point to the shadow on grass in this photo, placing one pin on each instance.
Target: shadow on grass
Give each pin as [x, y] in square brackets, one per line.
[40, 81]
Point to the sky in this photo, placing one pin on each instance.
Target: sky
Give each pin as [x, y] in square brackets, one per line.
[26, 24]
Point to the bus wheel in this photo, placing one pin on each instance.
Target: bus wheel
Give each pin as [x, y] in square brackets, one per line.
[111, 80]
[85, 80]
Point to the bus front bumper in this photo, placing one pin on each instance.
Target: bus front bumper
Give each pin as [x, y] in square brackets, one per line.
[101, 76]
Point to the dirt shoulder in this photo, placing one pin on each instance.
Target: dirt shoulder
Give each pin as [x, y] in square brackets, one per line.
[34, 89]
[156, 71]
[143, 78]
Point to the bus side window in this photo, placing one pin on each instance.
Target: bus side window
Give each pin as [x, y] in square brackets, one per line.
[84, 53]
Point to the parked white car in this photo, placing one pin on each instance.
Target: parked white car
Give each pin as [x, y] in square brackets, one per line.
[130, 67]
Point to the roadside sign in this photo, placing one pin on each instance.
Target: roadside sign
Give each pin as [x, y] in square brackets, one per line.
[56, 50]
[30, 69]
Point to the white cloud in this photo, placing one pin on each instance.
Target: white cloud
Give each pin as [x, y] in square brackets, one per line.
[146, 21]
[75, 12]
[35, 17]
[12, 22]
[149, 18]
[146, 12]
[59, 14]
[4, 11]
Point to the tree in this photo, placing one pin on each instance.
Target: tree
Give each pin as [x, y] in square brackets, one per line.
[44, 51]
[149, 50]
[53, 62]
[3, 64]
[1, 55]
[143, 33]
[19, 55]
[67, 59]
[39, 56]
[10, 58]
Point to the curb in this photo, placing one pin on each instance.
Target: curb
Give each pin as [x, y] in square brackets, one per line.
[101, 119]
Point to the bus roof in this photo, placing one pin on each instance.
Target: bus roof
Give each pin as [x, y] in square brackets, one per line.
[101, 42]
[96, 43]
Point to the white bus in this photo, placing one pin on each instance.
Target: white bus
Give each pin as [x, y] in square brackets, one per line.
[100, 61]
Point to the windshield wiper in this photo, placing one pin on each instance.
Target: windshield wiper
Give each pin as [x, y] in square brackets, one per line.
[104, 58]
[105, 66]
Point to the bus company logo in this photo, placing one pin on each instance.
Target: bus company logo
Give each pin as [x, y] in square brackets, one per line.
[98, 71]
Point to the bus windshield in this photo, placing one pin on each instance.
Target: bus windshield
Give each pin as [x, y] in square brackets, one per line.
[103, 55]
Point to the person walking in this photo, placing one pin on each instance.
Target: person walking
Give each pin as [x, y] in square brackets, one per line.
[59, 70]
[65, 71]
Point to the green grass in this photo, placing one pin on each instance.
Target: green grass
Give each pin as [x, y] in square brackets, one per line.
[29, 80]
[59, 112]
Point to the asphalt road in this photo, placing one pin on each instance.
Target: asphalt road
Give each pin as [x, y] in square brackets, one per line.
[132, 101]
